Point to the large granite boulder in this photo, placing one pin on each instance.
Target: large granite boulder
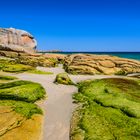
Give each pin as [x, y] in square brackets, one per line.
[100, 64]
[17, 40]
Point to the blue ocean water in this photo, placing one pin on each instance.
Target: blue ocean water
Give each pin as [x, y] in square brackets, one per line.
[129, 55]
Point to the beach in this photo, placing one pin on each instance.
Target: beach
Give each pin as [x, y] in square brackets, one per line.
[58, 105]
[70, 70]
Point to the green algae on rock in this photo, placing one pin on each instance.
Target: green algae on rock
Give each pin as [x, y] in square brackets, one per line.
[17, 68]
[63, 78]
[21, 91]
[18, 110]
[10, 65]
[37, 61]
[7, 78]
[35, 71]
[31, 60]
[108, 109]
[24, 108]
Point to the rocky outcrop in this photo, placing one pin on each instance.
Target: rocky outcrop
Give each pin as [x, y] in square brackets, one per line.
[14, 126]
[37, 61]
[100, 64]
[17, 40]
[32, 60]
[20, 117]
[59, 57]
[21, 46]
[63, 78]
[9, 119]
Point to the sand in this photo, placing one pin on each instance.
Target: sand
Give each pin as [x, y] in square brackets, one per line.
[58, 105]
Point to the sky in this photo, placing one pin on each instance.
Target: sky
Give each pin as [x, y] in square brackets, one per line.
[76, 25]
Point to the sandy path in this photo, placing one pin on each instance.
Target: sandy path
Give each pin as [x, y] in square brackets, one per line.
[58, 107]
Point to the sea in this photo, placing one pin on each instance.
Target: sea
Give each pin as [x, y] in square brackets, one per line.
[129, 55]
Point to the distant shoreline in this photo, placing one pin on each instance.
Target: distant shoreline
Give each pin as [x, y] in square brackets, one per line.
[86, 52]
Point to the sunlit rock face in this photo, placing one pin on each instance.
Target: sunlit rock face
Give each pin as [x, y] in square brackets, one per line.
[17, 40]
[100, 64]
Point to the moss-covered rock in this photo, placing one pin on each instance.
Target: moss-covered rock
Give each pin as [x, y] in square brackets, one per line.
[10, 65]
[37, 61]
[17, 68]
[18, 112]
[35, 71]
[5, 77]
[107, 109]
[32, 60]
[9, 54]
[59, 57]
[21, 91]
[63, 78]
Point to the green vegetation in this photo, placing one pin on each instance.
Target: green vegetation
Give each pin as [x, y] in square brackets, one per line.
[63, 78]
[21, 95]
[4, 62]
[3, 77]
[17, 68]
[8, 65]
[121, 72]
[21, 90]
[109, 109]
[37, 61]
[24, 108]
[53, 61]
[39, 72]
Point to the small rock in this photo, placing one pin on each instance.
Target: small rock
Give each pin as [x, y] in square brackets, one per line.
[63, 78]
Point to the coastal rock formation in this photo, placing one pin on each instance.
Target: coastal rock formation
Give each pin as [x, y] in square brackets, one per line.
[17, 40]
[59, 57]
[105, 109]
[31, 60]
[9, 124]
[63, 78]
[15, 126]
[37, 61]
[100, 64]
[20, 117]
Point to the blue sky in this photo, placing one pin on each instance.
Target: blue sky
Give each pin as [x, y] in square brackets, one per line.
[76, 25]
